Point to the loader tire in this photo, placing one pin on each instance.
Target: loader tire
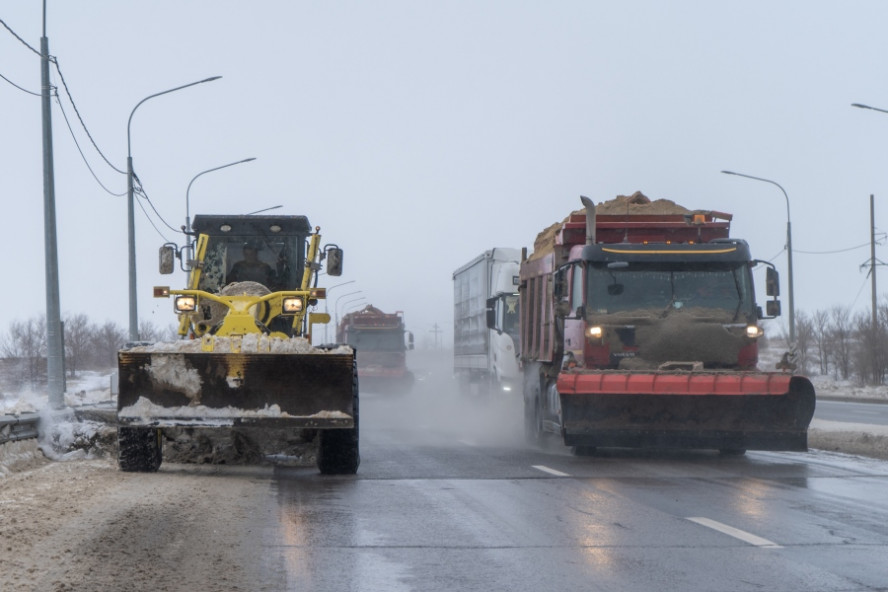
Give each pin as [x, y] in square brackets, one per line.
[139, 449]
[338, 452]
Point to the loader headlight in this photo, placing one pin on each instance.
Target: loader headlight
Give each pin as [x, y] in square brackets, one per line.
[595, 332]
[186, 303]
[754, 331]
[292, 305]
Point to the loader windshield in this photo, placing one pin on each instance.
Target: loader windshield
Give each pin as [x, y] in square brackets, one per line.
[274, 261]
[646, 286]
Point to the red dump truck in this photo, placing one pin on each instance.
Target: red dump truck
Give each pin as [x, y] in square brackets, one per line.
[381, 341]
[640, 329]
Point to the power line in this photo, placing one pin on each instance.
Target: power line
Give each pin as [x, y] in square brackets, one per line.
[14, 34]
[141, 191]
[19, 87]
[833, 252]
[77, 111]
[82, 155]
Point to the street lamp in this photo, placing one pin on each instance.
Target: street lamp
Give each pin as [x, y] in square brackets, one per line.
[872, 236]
[336, 306]
[187, 191]
[131, 219]
[348, 304]
[788, 251]
[326, 300]
[868, 107]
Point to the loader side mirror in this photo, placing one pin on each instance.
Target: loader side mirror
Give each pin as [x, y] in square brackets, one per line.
[772, 282]
[773, 308]
[334, 261]
[167, 258]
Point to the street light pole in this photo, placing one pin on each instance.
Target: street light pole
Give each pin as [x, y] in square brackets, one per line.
[336, 306]
[788, 251]
[130, 211]
[326, 300]
[188, 191]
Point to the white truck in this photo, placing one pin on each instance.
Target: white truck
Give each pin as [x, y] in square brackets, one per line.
[485, 322]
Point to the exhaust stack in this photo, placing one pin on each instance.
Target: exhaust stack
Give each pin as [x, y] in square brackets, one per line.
[590, 219]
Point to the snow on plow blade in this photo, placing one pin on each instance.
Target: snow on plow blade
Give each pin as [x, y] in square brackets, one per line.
[314, 390]
[725, 411]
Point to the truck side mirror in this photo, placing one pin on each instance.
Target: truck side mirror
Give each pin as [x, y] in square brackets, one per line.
[772, 282]
[491, 313]
[773, 308]
[409, 340]
[334, 261]
[559, 285]
[167, 258]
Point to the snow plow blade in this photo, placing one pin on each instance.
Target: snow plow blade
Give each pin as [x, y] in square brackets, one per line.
[728, 411]
[161, 389]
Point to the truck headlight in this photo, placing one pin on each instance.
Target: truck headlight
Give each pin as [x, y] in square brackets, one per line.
[292, 305]
[186, 303]
[595, 332]
[754, 331]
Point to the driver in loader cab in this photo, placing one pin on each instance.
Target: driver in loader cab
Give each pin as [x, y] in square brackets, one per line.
[251, 268]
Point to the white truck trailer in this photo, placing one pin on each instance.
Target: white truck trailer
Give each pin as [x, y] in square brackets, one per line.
[485, 322]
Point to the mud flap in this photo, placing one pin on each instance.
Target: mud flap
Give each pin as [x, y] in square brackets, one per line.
[738, 417]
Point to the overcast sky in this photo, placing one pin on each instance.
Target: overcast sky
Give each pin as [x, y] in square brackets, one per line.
[419, 134]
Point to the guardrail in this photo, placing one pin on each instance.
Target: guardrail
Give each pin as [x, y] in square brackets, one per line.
[19, 427]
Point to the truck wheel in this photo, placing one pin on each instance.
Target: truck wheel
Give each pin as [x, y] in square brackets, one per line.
[139, 449]
[338, 452]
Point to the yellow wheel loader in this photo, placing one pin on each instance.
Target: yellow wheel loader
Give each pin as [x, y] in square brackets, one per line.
[244, 358]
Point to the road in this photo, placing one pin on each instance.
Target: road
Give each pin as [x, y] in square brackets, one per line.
[852, 412]
[448, 497]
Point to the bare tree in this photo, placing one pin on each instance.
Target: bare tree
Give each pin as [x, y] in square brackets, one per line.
[26, 341]
[148, 331]
[820, 336]
[804, 335]
[107, 341]
[841, 341]
[78, 342]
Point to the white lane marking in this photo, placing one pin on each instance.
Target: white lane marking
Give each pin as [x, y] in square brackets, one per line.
[546, 469]
[736, 533]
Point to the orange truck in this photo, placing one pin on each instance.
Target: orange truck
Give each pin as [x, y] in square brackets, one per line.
[640, 329]
[381, 341]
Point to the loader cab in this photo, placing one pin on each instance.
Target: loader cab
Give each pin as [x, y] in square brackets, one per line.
[267, 249]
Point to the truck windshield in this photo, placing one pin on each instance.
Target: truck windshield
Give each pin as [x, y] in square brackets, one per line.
[645, 286]
[510, 316]
[377, 340]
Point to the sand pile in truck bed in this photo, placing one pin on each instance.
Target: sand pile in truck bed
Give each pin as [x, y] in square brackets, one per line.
[636, 204]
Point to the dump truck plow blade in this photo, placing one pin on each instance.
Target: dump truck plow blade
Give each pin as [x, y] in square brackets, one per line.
[165, 389]
[720, 410]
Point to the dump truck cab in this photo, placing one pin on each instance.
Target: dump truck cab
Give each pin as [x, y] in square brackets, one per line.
[644, 305]
[640, 328]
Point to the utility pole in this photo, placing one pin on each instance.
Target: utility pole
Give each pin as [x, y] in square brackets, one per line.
[436, 330]
[873, 260]
[55, 352]
[874, 350]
